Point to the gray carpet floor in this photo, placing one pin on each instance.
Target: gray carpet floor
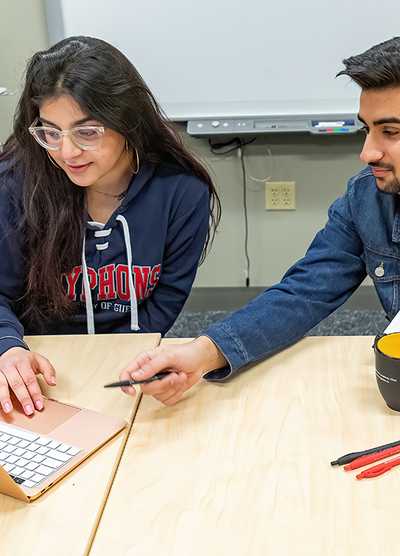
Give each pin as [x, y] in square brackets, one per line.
[344, 322]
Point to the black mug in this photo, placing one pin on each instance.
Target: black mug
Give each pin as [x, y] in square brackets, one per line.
[387, 368]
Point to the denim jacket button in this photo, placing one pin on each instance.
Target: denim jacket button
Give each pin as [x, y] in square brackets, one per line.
[380, 271]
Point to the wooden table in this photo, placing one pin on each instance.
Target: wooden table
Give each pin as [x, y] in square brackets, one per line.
[243, 468]
[64, 520]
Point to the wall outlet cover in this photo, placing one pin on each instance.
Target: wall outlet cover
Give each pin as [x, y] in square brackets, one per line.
[280, 195]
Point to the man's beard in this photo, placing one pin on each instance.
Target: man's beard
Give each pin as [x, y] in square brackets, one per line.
[392, 187]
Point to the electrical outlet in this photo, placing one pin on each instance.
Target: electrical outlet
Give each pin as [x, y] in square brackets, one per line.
[280, 195]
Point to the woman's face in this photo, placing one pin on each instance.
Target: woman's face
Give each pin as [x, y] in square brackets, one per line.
[101, 167]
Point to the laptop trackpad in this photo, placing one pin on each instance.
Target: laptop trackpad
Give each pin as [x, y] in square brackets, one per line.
[53, 415]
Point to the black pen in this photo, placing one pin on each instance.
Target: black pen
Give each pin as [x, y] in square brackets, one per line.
[132, 382]
[348, 458]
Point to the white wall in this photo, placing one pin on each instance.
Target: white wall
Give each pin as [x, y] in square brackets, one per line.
[23, 31]
[320, 166]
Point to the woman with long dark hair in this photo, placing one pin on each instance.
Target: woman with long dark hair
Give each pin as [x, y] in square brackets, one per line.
[104, 215]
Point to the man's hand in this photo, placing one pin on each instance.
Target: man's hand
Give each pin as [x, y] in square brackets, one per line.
[186, 363]
[18, 370]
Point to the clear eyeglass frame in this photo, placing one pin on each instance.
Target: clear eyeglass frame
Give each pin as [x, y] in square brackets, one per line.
[80, 136]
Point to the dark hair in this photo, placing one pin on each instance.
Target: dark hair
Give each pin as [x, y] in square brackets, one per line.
[377, 67]
[109, 89]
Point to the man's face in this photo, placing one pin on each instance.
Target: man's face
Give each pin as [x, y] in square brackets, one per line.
[380, 114]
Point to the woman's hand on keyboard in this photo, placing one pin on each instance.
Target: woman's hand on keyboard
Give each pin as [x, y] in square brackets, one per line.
[18, 370]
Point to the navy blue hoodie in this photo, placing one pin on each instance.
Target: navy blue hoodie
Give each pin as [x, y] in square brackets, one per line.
[153, 242]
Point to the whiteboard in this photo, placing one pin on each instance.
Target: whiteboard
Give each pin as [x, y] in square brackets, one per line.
[236, 58]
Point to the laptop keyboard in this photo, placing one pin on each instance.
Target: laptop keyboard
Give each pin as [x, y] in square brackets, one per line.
[29, 458]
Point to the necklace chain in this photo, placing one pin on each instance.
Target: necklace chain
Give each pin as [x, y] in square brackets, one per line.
[120, 196]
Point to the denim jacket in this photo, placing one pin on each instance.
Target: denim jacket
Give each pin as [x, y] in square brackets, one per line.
[362, 236]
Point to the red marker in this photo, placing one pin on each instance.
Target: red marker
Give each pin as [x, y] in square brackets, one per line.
[379, 469]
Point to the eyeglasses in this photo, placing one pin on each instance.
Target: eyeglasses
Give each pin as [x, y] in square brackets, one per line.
[86, 137]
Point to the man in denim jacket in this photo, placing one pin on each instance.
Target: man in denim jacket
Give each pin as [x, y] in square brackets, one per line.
[362, 236]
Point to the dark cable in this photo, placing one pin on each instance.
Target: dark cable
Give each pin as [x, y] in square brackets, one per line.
[246, 220]
[225, 147]
[216, 148]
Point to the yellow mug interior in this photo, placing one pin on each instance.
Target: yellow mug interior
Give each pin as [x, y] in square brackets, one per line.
[390, 345]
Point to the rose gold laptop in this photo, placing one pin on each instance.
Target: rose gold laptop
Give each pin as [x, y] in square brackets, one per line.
[37, 452]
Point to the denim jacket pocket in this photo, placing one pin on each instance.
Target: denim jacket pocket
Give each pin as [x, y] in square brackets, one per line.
[384, 269]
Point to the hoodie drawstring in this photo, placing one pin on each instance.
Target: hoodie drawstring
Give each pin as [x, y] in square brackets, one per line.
[132, 293]
[88, 293]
